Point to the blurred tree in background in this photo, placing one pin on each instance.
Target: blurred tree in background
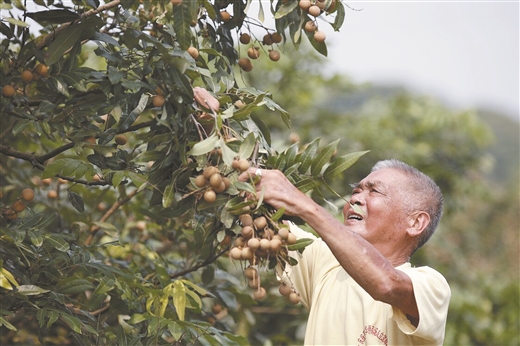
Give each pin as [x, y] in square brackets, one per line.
[118, 244]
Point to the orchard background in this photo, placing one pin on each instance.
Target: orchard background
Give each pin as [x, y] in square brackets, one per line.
[119, 244]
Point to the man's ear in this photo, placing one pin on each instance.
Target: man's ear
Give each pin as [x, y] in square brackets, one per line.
[417, 223]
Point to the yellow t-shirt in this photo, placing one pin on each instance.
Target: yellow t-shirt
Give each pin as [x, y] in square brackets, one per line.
[343, 313]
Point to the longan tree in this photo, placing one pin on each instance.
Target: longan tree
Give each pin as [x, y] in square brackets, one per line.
[122, 219]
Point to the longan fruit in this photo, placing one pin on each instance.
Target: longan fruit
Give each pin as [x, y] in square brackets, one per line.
[247, 253]
[46, 181]
[221, 188]
[305, 4]
[225, 16]
[18, 206]
[227, 182]
[245, 38]
[215, 180]
[260, 222]
[250, 273]
[319, 36]
[239, 242]
[275, 245]
[245, 64]
[209, 171]
[27, 76]
[247, 231]
[236, 253]
[265, 244]
[246, 219]
[194, 52]
[283, 233]
[253, 243]
[314, 11]
[285, 290]
[27, 194]
[217, 308]
[121, 139]
[42, 70]
[253, 52]
[10, 214]
[267, 39]
[243, 165]
[259, 294]
[52, 194]
[294, 298]
[210, 196]
[291, 239]
[158, 100]
[274, 55]
[200, 181]
[176, 2]
[8, 90]
[276, 37]
[140, 225]
[310, 26]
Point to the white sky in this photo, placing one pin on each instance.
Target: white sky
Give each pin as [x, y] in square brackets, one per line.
[466, 53]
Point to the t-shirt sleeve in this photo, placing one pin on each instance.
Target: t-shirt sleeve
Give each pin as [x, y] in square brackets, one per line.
[432, 294]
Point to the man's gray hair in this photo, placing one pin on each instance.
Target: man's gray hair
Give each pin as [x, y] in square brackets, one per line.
[424, 195]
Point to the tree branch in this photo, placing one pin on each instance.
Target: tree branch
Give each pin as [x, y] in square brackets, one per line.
[199, 265]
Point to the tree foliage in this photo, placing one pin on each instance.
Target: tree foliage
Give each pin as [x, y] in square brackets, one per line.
[119, 243]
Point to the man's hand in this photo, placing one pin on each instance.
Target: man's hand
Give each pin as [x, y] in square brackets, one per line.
[206, 100]
[278, 190]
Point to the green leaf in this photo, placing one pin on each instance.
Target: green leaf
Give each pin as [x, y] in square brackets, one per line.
[5, 323]
[204, 146]
[54, 16]
[306, 185]
[105, 285]
[65, 40]
[307, 156]
[248, 146]
[300, 244]
[76, 201]
[35, 237]
[181, 25]
[228, 155]
[277, 216]
[262, 127]
[57, 242]
[75, 286]
[31, 290]
[126, 121]
[290, 154]
[285, 9]
[73, 322]
[179, 299]
[340, 16]
[342, 163]
[169, 195]
[323, 158]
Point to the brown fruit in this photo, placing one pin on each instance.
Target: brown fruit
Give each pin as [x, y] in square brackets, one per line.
[314, 11]
[267, 40]
[236, 253]
[140, 225]
[52, 194]
[27, 76]
[265, 244]
[10, 214]
[246, 219]
[283, 233]
[217, 309]
[274, 55]
[200, 181]
[310, 26]
[245, 38]
[243, 165]
[275, 245]
[227, 182]
[194, 52]
[209, 171]
[260, 222]
[247, 254]
[239, 242]
[305, 4]
[225, 16]
[259, 294]
[42, 70]
[27, 194]
[46, 181]
[251, 273]
[176, 2]
[285, 290]
[276, 37]
[8, 90]
[294, 137]
[253, 243]
[158, 101]
[239, 104]
[291, 239]
[247, 231]
[221, 188]
[121, 139]
[253, 52]
[101, 207]
[215, 180]
[18, 206]
[294, 298]
[319, 36]
[245, 64]
[210, 196]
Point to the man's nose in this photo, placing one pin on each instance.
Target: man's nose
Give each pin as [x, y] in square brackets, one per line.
[357, 199]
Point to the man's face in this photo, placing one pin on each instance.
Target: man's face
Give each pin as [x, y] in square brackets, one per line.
[380, 197]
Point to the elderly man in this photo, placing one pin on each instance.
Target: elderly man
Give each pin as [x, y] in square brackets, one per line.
[356, 279]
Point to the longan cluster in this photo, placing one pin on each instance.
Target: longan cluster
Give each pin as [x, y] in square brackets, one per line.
[257, 243]
[27, 76]
[213, 181]
[315, 8]
[11, 213]
[253, 52]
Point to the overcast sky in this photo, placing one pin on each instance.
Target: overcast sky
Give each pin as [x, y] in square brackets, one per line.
[465, 53]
